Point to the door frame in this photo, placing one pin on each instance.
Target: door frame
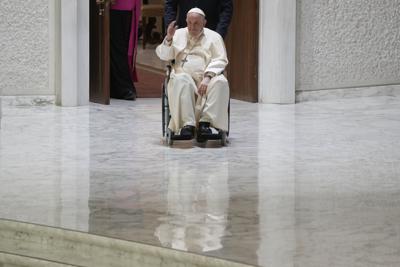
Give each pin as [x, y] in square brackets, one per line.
[99, 50]
[243, 53]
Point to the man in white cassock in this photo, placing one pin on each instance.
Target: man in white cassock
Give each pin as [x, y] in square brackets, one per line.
[198, 92]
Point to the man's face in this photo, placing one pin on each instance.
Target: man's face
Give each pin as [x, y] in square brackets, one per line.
[195, 23]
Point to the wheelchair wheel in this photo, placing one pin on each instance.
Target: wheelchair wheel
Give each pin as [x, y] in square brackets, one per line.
[168, 137]
[163, 114]
[224, 139]
[229, 117]
[166, 116]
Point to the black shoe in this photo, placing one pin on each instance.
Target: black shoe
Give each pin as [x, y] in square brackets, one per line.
[187, 132]
[203, 132]
[130, 96]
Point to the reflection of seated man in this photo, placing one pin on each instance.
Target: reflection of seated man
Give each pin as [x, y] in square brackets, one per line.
[197, 208]
[200, 59]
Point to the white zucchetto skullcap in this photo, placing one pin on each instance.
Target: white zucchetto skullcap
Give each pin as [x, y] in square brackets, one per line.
[197, 11]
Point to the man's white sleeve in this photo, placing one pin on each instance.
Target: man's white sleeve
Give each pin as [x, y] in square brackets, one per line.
[165, 51]
[219, 58]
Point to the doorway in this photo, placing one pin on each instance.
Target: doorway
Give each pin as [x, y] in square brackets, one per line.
[241, 43]
[150, 70]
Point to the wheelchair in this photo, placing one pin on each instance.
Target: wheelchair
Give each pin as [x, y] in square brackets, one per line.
[170, 136]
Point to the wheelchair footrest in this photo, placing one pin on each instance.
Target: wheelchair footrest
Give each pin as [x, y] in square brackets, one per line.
[180, 137]
[217, 136]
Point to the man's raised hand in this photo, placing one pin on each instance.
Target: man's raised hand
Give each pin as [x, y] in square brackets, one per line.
[171, 30]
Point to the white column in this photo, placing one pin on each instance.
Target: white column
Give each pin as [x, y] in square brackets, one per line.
[55, 48]
[1, 97]
[69, 52]
[71, 70]
[83, 51]
[277, 51]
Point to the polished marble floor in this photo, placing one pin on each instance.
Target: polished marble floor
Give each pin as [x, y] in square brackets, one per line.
[309, 185]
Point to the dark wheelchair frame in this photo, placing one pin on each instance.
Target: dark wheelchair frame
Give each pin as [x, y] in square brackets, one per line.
[169, 135]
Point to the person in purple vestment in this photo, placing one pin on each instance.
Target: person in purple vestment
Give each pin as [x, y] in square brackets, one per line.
[124, 25]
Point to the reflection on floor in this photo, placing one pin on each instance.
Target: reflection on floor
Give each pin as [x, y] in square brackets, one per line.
[311, 184]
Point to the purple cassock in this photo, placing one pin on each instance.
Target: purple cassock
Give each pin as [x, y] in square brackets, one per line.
[135, 7]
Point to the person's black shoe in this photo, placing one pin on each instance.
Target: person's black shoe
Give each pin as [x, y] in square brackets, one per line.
[187, 132]
[204, 128]
[203, 132]
[130, 96]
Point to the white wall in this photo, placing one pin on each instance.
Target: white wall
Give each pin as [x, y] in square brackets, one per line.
[24, 48]
[44, 50]
[347, 43]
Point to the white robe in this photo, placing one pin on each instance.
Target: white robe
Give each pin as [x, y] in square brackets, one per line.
[207, 54]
